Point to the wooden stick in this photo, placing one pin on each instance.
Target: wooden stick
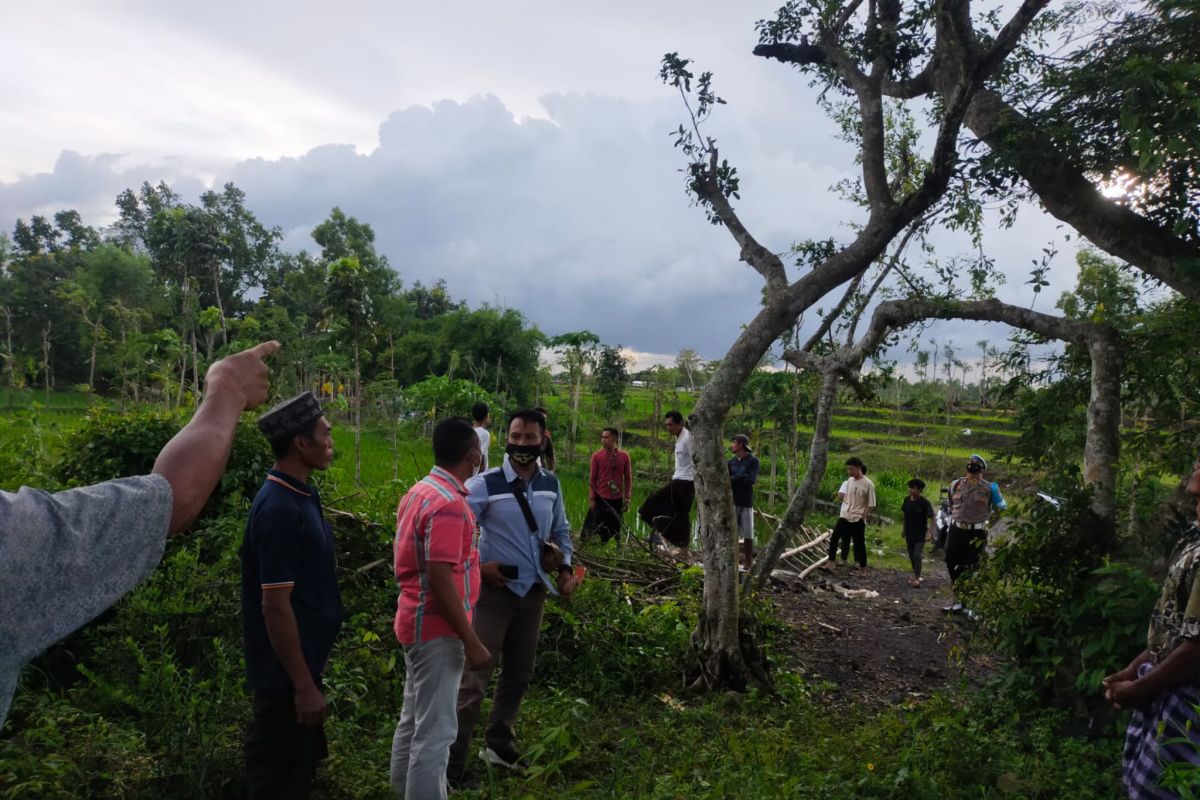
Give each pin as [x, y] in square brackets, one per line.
[808, 571]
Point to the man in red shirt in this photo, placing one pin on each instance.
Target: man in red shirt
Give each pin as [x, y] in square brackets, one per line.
[437, 569]
[610, 487]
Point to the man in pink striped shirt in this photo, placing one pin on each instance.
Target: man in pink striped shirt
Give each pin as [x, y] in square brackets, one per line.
[437, 569]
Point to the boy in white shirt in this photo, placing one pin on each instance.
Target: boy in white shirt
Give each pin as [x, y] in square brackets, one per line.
[857, 496]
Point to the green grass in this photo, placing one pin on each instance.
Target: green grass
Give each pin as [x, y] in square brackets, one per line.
[12, 399]
[160, 708]
[930, 425]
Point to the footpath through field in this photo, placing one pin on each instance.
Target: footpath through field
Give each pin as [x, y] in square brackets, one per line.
[874, 651]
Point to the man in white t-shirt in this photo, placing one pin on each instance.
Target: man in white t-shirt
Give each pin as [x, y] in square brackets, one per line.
[667, 510]
[857, 496]
[483, 417]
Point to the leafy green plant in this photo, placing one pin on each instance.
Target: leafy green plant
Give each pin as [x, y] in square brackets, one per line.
[1056, 605]
[107, 445]
[605, 641]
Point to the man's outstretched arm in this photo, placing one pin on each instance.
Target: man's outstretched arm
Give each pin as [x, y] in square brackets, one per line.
[192, 462]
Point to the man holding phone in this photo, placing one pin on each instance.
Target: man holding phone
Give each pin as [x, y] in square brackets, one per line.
[525, 553]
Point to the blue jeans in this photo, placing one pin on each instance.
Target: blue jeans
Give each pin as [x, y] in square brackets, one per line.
[429, 720]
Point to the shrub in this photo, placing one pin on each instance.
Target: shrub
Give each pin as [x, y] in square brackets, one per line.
[604, 642]
[1057, 606]
[108, 445]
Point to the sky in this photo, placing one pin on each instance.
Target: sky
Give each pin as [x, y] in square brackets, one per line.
[520, 151]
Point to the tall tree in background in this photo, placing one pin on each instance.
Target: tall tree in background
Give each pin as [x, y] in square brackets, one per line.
[358, 278]
[689, 364]
[612, 381]
[576, 352]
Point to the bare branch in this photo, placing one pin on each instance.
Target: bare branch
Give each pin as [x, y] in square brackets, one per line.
[896, 314]
[761, 259]
[828, 320]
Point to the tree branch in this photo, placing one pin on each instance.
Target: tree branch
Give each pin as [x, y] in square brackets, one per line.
[1070, 196]
[761, 259]
[1008, 37]
[834, 313]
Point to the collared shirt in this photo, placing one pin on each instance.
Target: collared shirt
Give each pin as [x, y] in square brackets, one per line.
[611, 475]
[685, 470]
[68, 556]
[743, 472]
[967, 504]
[504, 534]
[1176, 616]
[288, 543]
[433, 523]
[858, 498]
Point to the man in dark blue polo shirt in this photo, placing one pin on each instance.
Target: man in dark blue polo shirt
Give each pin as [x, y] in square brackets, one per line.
[291, 607]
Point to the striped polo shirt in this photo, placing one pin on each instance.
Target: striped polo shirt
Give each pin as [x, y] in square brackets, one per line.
[433, 523]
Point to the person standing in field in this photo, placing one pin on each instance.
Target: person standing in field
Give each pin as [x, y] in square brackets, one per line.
[610, 485]
[521, 514]
[667, 511]
[975, 502]
[70, 555]
[291, 606]
[437, 569]
[857, 496]
[547, 458]
[743, 473]
[918, 526]
[1162, 684]
[483, 418]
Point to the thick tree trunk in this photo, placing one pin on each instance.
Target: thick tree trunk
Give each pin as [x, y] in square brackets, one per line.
[802, 501]
[718, 641]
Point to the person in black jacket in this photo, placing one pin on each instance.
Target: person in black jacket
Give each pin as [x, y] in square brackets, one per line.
[743, 472]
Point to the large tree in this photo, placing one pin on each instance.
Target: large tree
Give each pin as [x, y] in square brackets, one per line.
[863, 50]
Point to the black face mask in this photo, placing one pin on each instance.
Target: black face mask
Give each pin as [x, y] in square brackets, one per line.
[523, 454]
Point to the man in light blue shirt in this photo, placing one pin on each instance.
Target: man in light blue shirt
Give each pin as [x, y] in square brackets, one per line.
[525, 553]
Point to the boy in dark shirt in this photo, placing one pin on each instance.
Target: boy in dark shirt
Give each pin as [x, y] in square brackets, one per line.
[918, 524]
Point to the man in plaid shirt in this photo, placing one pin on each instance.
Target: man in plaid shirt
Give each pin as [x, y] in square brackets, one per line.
[437, 568]
[1162, 685]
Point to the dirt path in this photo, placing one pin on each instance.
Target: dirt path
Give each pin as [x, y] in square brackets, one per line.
[874, 651]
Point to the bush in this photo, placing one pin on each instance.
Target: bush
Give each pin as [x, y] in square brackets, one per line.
[108, 445]
[604, 643]
[1057, 606]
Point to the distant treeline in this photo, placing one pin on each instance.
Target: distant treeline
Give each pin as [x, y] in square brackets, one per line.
[138, 310]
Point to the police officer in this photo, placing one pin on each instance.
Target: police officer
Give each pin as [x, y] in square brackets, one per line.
[974, 503]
